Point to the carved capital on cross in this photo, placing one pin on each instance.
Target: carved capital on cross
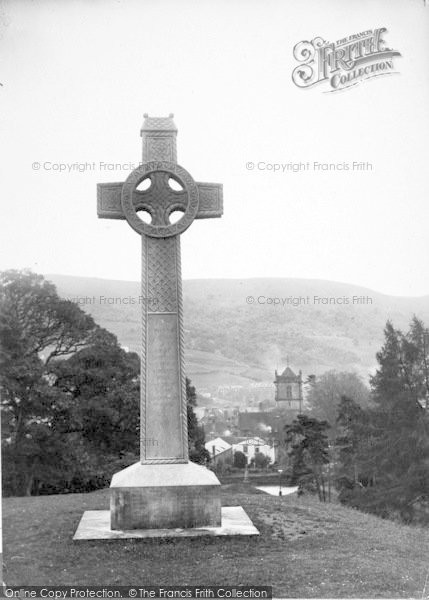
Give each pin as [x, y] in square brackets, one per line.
[159, 138]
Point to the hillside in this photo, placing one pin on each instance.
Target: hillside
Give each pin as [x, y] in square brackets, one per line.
[232, 342]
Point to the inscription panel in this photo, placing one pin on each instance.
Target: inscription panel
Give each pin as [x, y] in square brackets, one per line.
[163, 389]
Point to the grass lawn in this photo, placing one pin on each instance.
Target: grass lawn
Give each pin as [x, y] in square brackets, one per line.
[306, 549]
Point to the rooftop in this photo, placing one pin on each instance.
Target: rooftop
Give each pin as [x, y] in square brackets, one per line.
[288, 373]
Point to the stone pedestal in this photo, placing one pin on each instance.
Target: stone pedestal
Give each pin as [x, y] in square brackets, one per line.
[164, 496]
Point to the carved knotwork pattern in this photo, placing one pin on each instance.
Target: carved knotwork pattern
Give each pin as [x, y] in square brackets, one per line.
[160, 149]
[210, 199]
[158, 125]
[162, 275]
[206, 199]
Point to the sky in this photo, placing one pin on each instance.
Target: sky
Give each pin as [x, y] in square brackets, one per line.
[76, 78]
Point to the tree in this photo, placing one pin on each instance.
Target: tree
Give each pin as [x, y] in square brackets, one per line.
[196, 433]
[99, 389]
[36, 327]
[69, 394]
[325, 395]
[401, 423]
[403, 367]
[309, 451]
[395, 453]
[353, 443]
[36, 322]
[240, 459]
[418, 339]
[261, 460]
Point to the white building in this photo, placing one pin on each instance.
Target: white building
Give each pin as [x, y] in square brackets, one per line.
[219, 450]
[250, 446]
[224, 446]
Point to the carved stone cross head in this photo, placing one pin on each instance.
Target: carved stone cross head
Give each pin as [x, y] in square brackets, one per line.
[159, 199]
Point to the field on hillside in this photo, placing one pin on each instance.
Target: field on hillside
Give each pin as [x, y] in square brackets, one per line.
[306, 549]
[231, 341]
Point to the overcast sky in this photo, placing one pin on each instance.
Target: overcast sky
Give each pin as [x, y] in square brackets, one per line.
[77, 77]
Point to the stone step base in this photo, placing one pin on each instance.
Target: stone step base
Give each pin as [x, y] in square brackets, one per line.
[95, 525]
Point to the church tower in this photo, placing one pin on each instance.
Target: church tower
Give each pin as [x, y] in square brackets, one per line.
[289, 390]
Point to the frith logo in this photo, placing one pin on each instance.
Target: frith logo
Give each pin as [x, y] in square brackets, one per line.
[344, 63]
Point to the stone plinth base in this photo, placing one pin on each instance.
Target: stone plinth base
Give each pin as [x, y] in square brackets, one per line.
[164, 497]
[95, 525]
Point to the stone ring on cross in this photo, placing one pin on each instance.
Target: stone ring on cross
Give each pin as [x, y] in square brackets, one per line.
[160, 199]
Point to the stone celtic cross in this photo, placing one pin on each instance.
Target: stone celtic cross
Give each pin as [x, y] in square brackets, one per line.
[149, 189]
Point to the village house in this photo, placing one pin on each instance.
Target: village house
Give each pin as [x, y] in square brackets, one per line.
[219, 450]
[222, 447]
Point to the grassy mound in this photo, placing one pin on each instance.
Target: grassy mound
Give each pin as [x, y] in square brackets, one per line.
[306, 549]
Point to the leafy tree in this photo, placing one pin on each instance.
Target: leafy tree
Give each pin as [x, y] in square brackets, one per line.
[261, 460]
[36, 322]
[70, 394]
[36, 326]
[325, 395]
[309, 452]
[99, 390]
